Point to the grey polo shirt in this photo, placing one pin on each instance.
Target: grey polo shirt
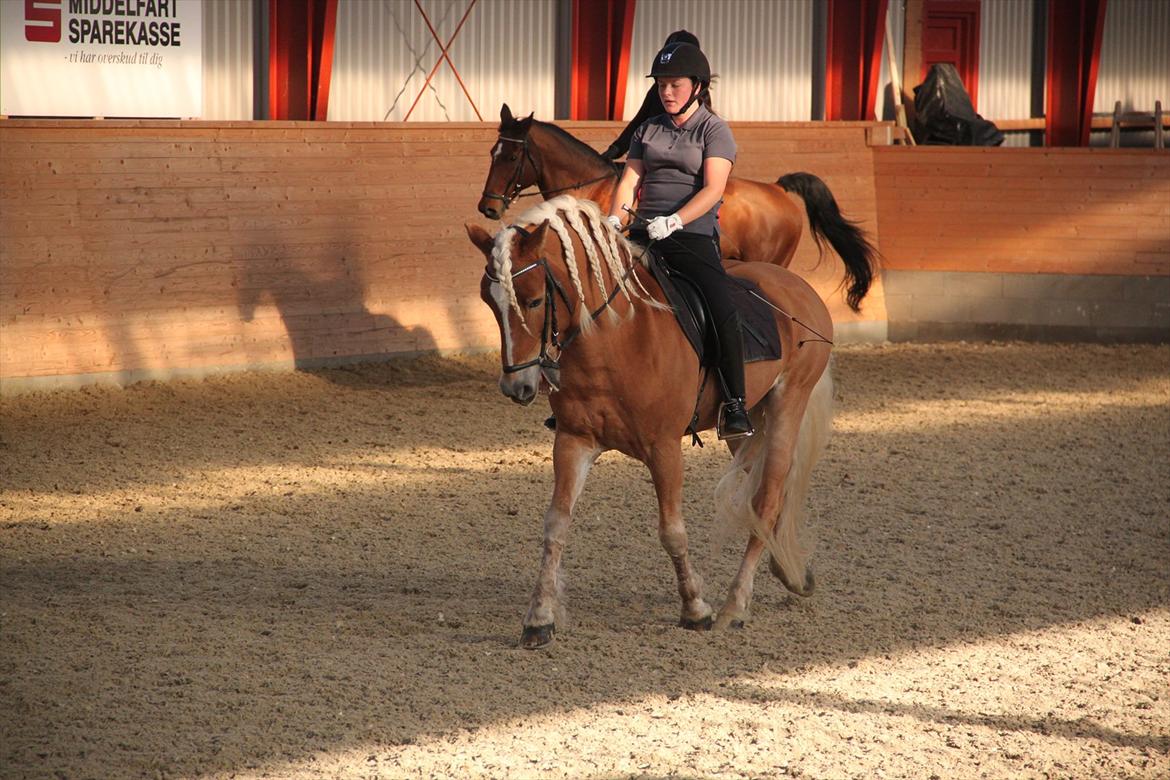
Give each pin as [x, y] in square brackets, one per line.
[673, 160]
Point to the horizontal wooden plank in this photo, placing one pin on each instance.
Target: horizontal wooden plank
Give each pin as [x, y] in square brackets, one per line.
[135, 244]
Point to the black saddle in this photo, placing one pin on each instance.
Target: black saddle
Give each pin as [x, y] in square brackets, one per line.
[761, 340]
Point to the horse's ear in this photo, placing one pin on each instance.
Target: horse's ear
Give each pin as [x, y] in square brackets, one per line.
[505, 114]
[526, 122]
[481, 238]
[535, 238]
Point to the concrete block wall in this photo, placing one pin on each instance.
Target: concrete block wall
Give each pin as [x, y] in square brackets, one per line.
[948, 305]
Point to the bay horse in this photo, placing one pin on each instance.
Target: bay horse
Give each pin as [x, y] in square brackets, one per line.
[581, 315]
[758, 221]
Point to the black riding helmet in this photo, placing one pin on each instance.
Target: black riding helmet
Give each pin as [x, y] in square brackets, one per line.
[681, 59]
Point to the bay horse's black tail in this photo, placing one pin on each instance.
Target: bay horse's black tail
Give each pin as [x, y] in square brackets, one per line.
[844, 235]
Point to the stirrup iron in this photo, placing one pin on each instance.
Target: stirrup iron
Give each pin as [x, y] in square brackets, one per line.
[734, 422]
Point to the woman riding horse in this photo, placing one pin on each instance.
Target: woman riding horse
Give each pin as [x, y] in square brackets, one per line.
[682, 158]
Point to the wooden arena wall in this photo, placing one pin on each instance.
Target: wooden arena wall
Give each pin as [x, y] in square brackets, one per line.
[137, 249]
[1054, 244]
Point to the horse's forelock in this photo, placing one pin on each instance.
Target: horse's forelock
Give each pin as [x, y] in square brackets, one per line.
[502, 265]
[603, 248]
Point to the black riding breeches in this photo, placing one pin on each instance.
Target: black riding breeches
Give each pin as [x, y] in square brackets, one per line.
[696, 256]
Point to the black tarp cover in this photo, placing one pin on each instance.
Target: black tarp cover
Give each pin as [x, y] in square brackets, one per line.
[944, 115]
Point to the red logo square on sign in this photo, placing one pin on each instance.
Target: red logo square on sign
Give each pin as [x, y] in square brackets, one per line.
[42, 21]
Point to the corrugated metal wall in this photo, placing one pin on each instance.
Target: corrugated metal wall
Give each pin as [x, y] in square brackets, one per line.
[505, 52]
[1135, 62]
[760, 49]
[227, 59]
[1005, 64]
[884, 107]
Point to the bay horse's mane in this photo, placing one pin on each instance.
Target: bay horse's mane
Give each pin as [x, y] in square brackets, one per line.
[605, 249]
[516, 126]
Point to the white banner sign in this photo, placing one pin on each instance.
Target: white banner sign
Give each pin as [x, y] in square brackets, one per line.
[109, 58]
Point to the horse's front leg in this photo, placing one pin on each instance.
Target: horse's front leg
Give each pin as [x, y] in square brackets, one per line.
[572, 458]
[666, 471]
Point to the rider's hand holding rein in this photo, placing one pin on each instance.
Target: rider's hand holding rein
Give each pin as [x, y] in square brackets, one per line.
[661, 227]
[716, 171]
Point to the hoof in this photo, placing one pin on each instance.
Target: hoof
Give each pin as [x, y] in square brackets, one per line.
[728, 620]
[810, 580]
[703, 624]
[535, 637]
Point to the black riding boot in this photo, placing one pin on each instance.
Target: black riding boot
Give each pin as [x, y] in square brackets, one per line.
[734, 422]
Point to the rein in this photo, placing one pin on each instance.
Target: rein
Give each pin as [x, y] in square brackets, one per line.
[514, 190]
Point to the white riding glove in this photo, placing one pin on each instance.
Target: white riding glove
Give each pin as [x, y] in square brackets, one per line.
[614, 222]
[661, 227]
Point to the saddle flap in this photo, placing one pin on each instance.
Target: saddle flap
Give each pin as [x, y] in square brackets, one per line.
[761, 340]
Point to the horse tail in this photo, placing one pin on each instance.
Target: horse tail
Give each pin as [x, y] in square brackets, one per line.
[781, 534]
[844, 235]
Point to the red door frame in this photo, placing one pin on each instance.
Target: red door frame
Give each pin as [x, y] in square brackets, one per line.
[963, 16]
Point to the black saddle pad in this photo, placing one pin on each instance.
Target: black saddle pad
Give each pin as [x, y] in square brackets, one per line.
[761, 340]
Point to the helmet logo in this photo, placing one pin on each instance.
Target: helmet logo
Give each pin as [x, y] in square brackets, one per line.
[665, 58]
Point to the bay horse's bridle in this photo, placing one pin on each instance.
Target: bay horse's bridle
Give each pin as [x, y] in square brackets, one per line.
[514, 188]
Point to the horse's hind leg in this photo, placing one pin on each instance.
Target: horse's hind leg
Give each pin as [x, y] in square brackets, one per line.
[572, 459]
[785, 406]
[666, 471]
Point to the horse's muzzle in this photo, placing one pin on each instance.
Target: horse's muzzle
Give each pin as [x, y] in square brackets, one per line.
[490, 209]
[521, 387]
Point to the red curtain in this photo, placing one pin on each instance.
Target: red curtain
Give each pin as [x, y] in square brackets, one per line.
[855, 32]
[300, 57]
[601, 57]
[1074, 53]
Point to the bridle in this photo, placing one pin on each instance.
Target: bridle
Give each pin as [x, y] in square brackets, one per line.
[550, 334]
[513, 190]
[513, 187]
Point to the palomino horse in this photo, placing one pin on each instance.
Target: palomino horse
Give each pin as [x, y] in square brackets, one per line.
[576, 309]
[758, 222]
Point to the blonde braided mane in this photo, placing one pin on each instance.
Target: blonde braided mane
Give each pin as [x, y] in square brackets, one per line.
[606, 250]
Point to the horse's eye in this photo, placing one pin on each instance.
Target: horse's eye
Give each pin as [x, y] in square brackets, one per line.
[514, 157]
[535, 303]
